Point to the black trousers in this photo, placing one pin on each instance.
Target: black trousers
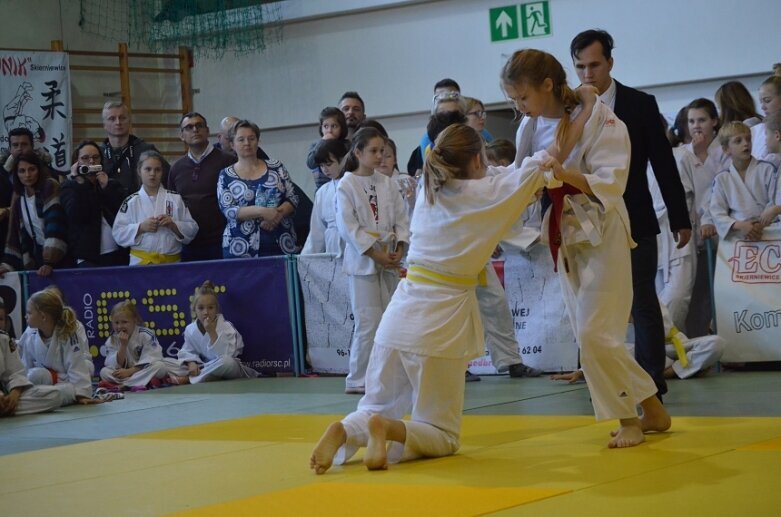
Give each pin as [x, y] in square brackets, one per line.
[647, 316]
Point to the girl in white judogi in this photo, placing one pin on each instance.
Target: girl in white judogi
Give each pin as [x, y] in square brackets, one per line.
[323, 233]
[432, 328]
[587, 228]
[134, 358]
[742, 193]
[153, 222]
[676, 266]
[372, 219]
[212, 345]
[406, 183]
[18, 396]
[51, 350]
[769, 102]
[703, 124]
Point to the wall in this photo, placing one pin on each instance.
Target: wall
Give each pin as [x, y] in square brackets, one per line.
[393, 56]
[392, 52]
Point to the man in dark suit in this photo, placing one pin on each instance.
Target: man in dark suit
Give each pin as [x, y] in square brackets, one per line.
[591, 53]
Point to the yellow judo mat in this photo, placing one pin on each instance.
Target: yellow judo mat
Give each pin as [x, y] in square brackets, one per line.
[508, 465]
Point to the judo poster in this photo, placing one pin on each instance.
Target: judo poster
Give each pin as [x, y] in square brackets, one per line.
[327, 313]
[11, 296]
[252, 294]
[540, 318]
[748, 298]
[35, 94]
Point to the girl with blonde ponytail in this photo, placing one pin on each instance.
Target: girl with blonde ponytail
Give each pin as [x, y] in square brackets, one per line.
[587, 228]
[212, 345]
[53, 351]
[431, 329]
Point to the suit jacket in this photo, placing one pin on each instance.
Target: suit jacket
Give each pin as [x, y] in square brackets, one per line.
[640, 113]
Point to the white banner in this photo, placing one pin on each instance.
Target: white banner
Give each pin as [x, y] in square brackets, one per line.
[35, 93]
[11, 296]
[327, 313]
[748, 298]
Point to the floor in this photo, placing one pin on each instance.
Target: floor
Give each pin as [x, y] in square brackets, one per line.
[529, 447]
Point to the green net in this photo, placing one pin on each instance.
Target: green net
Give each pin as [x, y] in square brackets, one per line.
[210, 27]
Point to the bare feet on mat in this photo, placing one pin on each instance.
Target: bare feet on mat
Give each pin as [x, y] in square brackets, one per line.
[325, 450]
[628, 435]
[174, 379]
[376, 455]
[655, 417]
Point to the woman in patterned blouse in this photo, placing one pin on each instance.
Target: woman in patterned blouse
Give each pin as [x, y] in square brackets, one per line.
[258, 200]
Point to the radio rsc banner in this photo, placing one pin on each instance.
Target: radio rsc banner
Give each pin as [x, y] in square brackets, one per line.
[253, 295]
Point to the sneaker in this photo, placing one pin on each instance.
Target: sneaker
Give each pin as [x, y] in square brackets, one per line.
[106, 396]
[471, 377]
[521, 370]
[355, 390]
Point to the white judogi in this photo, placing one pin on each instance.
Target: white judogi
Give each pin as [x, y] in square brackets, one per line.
[758, 143]
[596, 279]
[702, 176]
[218, 360]
[143, 351]
[740, 199]
[701, 353]
[432, 329]
[140, 206]
[676, 267]
[323, 233]
[370, 212]
[33, 399]
[65, 356]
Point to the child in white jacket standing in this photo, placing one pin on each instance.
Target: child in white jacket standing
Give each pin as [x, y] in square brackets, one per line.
[372, 219]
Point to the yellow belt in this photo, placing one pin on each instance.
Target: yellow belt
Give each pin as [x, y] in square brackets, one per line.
[427, 276]
[678, 345]
[150, 257]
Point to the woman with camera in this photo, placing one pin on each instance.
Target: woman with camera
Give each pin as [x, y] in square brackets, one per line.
[91, 201]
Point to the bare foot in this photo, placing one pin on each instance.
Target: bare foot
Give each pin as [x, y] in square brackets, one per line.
[325, 450]
[655, 418]
[669, 373]
[173, 379]
[376, 455]
[627, 436]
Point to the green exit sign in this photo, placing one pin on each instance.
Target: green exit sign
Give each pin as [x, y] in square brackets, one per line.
[527, 20]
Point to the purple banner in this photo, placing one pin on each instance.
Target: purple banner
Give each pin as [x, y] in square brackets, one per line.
[252, 294]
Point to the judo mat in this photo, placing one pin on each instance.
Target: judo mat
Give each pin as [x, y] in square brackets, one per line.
[507, 465]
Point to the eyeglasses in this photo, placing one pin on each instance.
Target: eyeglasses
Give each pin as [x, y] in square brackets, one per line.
[478, 114]
[90, 158]
[193, 127]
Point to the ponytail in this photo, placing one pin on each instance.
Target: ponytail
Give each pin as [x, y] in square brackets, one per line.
[360, 140]
[455, 146]
[532, 67]
[68, 323]
[49, 302]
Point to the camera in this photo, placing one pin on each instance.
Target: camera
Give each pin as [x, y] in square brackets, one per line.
[85, 170]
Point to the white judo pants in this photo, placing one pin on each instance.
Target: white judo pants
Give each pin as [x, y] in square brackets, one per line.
[396, 381]
[154, 370]
[676, 292]
[497, 322]
[222, 368]
[43, 377]
[38, 399]
[701, 354]
[597, 293]
[369, 296]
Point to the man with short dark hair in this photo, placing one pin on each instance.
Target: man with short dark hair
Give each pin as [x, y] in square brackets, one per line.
[354, 111]
[591, 53]
[121, 149]
[194, 176]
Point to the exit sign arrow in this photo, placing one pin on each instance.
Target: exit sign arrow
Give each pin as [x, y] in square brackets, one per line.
[503, 23]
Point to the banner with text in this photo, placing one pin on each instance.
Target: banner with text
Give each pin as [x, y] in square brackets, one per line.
[748, 297]
[252, 293]
[35, 94]
[541, 323]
